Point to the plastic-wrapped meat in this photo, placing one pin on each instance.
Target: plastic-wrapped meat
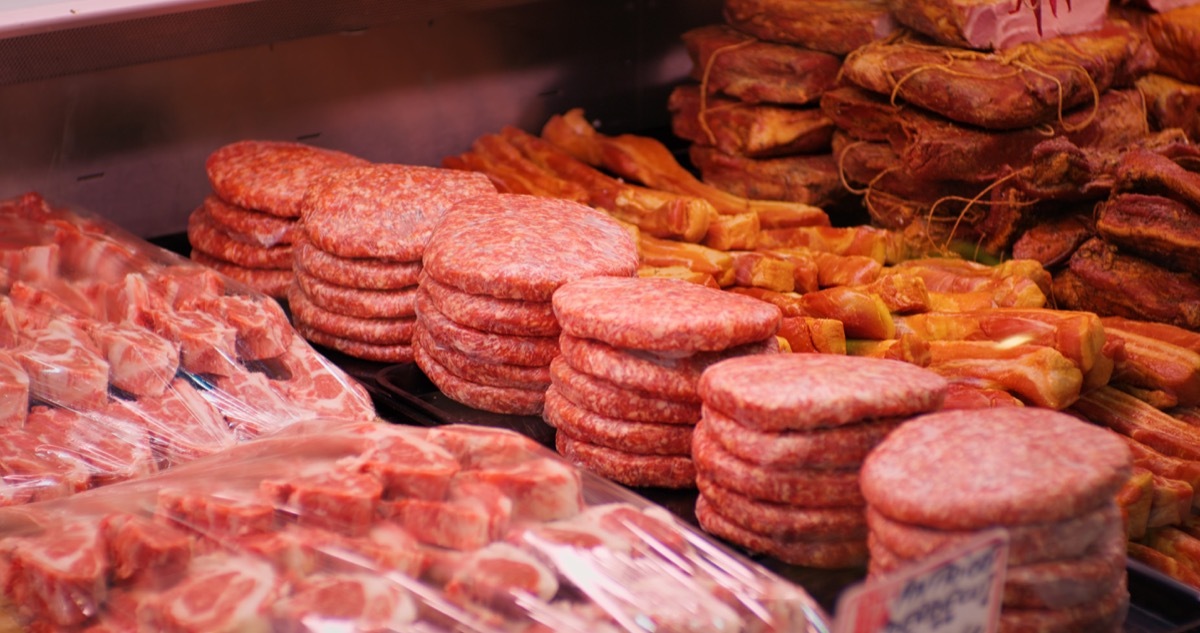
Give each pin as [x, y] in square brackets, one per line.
[14, 392]
[641, 527]
[409, 466]
[65, 368]
[182, 424]
[207, 345]
[94, 257]
[32, 474]
[33, 264]
[251, 404]
[145, 550]
[10, 330]
[541, 489]
[319, 386]
[112, 452]
[326, 496]
[355, 602]
[59, 578]
[131, 299]
[473, 516]
[497, 576]
[262, 328]
[185, 284]
[140, 362]
[216, 514]
[482, 447]
[218, 593]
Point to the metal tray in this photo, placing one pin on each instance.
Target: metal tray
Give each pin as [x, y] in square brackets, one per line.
[1159, 604]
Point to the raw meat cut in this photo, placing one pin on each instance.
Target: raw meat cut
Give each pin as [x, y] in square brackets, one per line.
[360, 602]
[59, 578]
[182, 424]
[206, 344]
[836, 26]
[215, 514]
[328, 497]
[409, 466]
[540, 489]
[218, 593]
[753, 71]
[251, 404]
[318, 386]
[262, 327]
[995, 24]
[140, 362]
[499, 575]
[1018, 88]
[64, 367]
[112, 452]
[14, 392]
[141, 549]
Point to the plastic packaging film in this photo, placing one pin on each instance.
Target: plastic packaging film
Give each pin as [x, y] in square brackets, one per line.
[121, 359]
[379, 527]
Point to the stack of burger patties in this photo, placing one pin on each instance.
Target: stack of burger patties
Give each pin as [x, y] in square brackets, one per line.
[1047, 478]
[752, 114]
[968, 127]
[780, 443]
[358, 257]
[485, 329]
[247, 226]
[623, 394]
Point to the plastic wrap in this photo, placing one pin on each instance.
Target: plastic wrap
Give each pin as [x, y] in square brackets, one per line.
[119, 359]
[363, 526]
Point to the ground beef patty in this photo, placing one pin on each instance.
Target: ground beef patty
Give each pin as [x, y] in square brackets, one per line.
[525, 247]
[485, 346]
[363, 273]
[665, 315]
[603, 397]
[480, 371]
[385, 211]
[490, 314]
[366, 304]
[260, 228]
[825, 554]
[271, 176]
[401, 353]
[639, 438]
[842, 446]
[662, 471]
[787, 392]
[1012, 466]
[374, 331]
[208, 237]
[269, 281]
[508, 400]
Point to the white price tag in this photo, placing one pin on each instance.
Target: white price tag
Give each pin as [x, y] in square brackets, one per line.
[955, 591]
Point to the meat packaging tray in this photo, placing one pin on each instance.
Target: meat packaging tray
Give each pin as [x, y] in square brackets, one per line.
[1159, 603]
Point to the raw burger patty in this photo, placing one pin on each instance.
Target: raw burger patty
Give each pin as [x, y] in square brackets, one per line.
[658, 314]
[657, 471]
[490, 314]
[807, 487]
[485, 346]
[478, 396]
[1105, 615]
[385, 211]
[660, 376]
[783, 521]
[525, 247]
[835, 447]
[832, 554]
[271, 176]
[640, 438]
[482, 372]
[207, 237]
[367, 274]
[1011, 466]
[263, 229]
[373, 331]
[367, 351]
[1029, 543]
[366, 304]
[269, 281]
[807, 391]
[605, 398]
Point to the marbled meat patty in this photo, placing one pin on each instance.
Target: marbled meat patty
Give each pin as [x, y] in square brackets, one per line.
[271, 176]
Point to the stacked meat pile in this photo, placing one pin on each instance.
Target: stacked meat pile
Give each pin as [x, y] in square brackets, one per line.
[358, 256]
[958, 144]
[119, 360]
[1047, 478]
[486, 330]
[372, 527]
[245, 229]
[751, 119]
[779, 446]
[623, 395]
[1172, 91]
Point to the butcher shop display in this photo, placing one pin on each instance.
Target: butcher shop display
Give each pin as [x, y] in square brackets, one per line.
[364, 526]
[120, 359]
